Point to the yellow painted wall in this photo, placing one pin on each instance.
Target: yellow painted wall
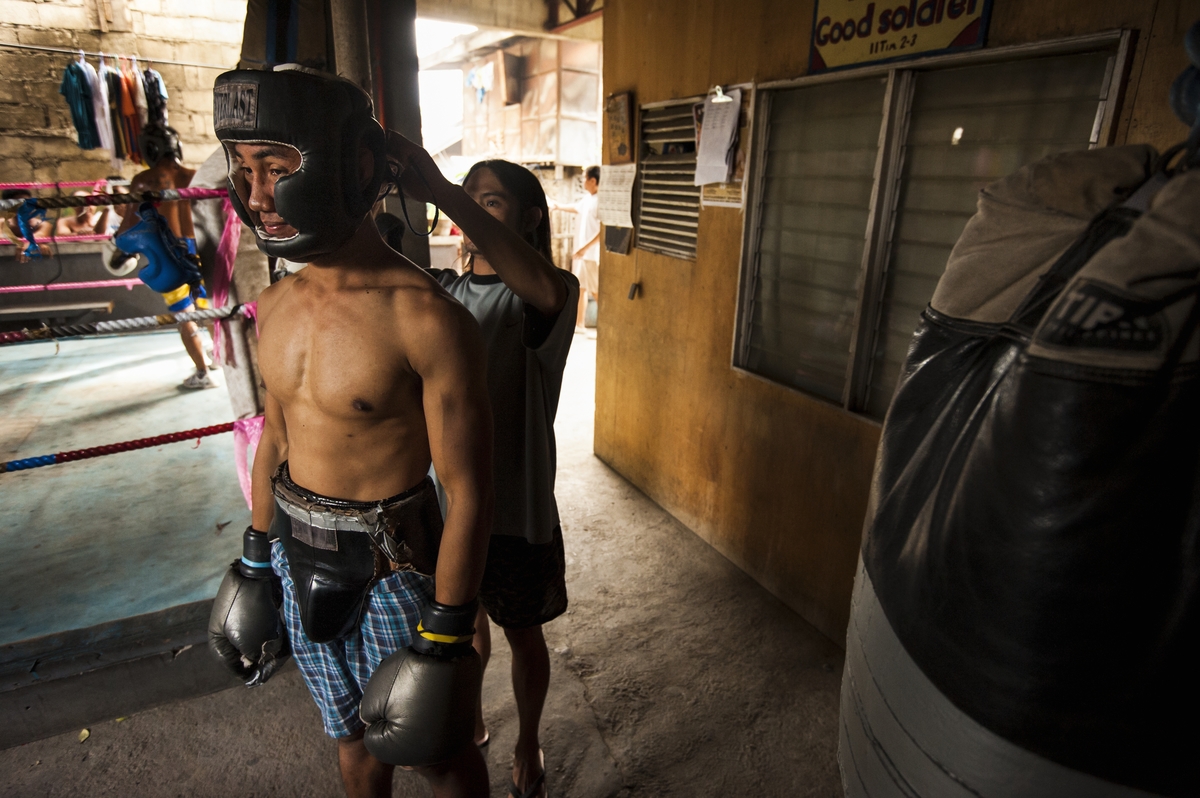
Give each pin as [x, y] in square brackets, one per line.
[775, 480]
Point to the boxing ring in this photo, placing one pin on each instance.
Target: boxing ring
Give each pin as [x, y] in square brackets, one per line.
[138, 531]
[111, 564]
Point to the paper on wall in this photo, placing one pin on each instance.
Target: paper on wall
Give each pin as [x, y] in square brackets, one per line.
[615, 197]
[714, 159]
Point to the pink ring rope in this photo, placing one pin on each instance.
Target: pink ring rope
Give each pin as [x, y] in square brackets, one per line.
[58, 239]
[63, 184]
[127, 284]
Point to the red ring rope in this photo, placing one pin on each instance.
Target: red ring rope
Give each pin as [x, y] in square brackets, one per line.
[113, 448]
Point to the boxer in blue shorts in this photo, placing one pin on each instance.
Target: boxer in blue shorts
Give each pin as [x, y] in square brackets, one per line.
[167, 237]
[371, 373]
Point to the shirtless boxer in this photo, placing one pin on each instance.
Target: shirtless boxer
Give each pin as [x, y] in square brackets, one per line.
[371, 371]
[180, 288]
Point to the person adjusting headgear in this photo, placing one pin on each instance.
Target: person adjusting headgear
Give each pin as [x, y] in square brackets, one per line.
[372, 373]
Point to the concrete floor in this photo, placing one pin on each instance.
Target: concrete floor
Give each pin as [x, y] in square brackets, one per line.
[124, 534]
[673, 675]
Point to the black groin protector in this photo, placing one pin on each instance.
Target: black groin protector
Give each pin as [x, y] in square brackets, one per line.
[1033, 522]
[328, 120]
[334, 569]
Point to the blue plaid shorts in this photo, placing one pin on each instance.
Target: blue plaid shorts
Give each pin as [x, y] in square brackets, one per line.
[336, 672]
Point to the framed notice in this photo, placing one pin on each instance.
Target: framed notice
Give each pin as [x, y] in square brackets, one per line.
[618, 127]
[854, 32]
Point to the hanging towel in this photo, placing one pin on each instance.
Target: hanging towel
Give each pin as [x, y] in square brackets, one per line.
[100, 107]
[129, 116]
[78, 93]
[139, 94]
[114, 84]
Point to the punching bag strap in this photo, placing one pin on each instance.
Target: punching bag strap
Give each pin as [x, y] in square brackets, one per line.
[1111, 223]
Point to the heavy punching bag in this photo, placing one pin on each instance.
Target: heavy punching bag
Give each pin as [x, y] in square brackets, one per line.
[1025, 609]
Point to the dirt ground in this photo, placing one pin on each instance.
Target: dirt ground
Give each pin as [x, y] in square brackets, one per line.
[673, 675]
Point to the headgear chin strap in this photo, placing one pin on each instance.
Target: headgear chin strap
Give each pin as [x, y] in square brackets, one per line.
[327, 120]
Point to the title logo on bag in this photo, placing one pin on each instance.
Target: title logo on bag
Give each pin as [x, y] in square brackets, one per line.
[235, 105]
[1091, 316]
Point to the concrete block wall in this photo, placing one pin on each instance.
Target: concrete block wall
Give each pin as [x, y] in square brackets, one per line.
[37, 139]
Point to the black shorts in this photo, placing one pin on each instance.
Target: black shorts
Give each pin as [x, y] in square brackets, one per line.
[524, 583]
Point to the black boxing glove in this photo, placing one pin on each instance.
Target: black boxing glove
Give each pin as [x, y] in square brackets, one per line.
[419, 705]
[245, 629]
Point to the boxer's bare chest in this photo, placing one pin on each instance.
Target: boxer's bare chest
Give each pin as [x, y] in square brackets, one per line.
[338, 354]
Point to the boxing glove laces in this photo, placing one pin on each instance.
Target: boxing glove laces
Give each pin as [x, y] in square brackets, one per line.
[245, 629]
[419, 705]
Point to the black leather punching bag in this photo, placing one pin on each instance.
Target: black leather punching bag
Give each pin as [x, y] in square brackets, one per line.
[1025, 610]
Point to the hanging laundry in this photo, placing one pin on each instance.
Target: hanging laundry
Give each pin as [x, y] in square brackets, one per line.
[156, 97]
[139, 93]
[77, 90]
[100, 105]
[129, 114]
[115, 86]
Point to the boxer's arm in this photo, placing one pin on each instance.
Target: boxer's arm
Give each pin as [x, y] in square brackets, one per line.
[271, 451]
[447, 352]
[136, 186]
[522, 268]
[273, 446]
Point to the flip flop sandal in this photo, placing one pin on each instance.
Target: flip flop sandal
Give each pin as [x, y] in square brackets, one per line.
[482, 744]
[515, 791]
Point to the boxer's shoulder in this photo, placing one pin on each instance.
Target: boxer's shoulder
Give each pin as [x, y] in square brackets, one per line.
[270, 297]
[153, 179]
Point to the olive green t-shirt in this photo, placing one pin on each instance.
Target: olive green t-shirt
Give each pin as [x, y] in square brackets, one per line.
[526, 354]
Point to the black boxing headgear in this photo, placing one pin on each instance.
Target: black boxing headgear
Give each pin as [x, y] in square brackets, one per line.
[157, 142]
[327, 120]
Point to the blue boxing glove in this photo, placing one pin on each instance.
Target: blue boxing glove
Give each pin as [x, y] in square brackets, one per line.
[170, 265]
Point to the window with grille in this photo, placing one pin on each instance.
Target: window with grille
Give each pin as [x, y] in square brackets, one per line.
[668, 207]
[863, 185]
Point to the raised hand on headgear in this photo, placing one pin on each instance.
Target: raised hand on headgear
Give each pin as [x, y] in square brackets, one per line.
[419, 176]
[246, 629]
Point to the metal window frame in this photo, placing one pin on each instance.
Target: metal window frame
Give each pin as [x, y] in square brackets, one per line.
[881, 223]
[748, 88]
[885, 192]
[639, 187]
[751, 225]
